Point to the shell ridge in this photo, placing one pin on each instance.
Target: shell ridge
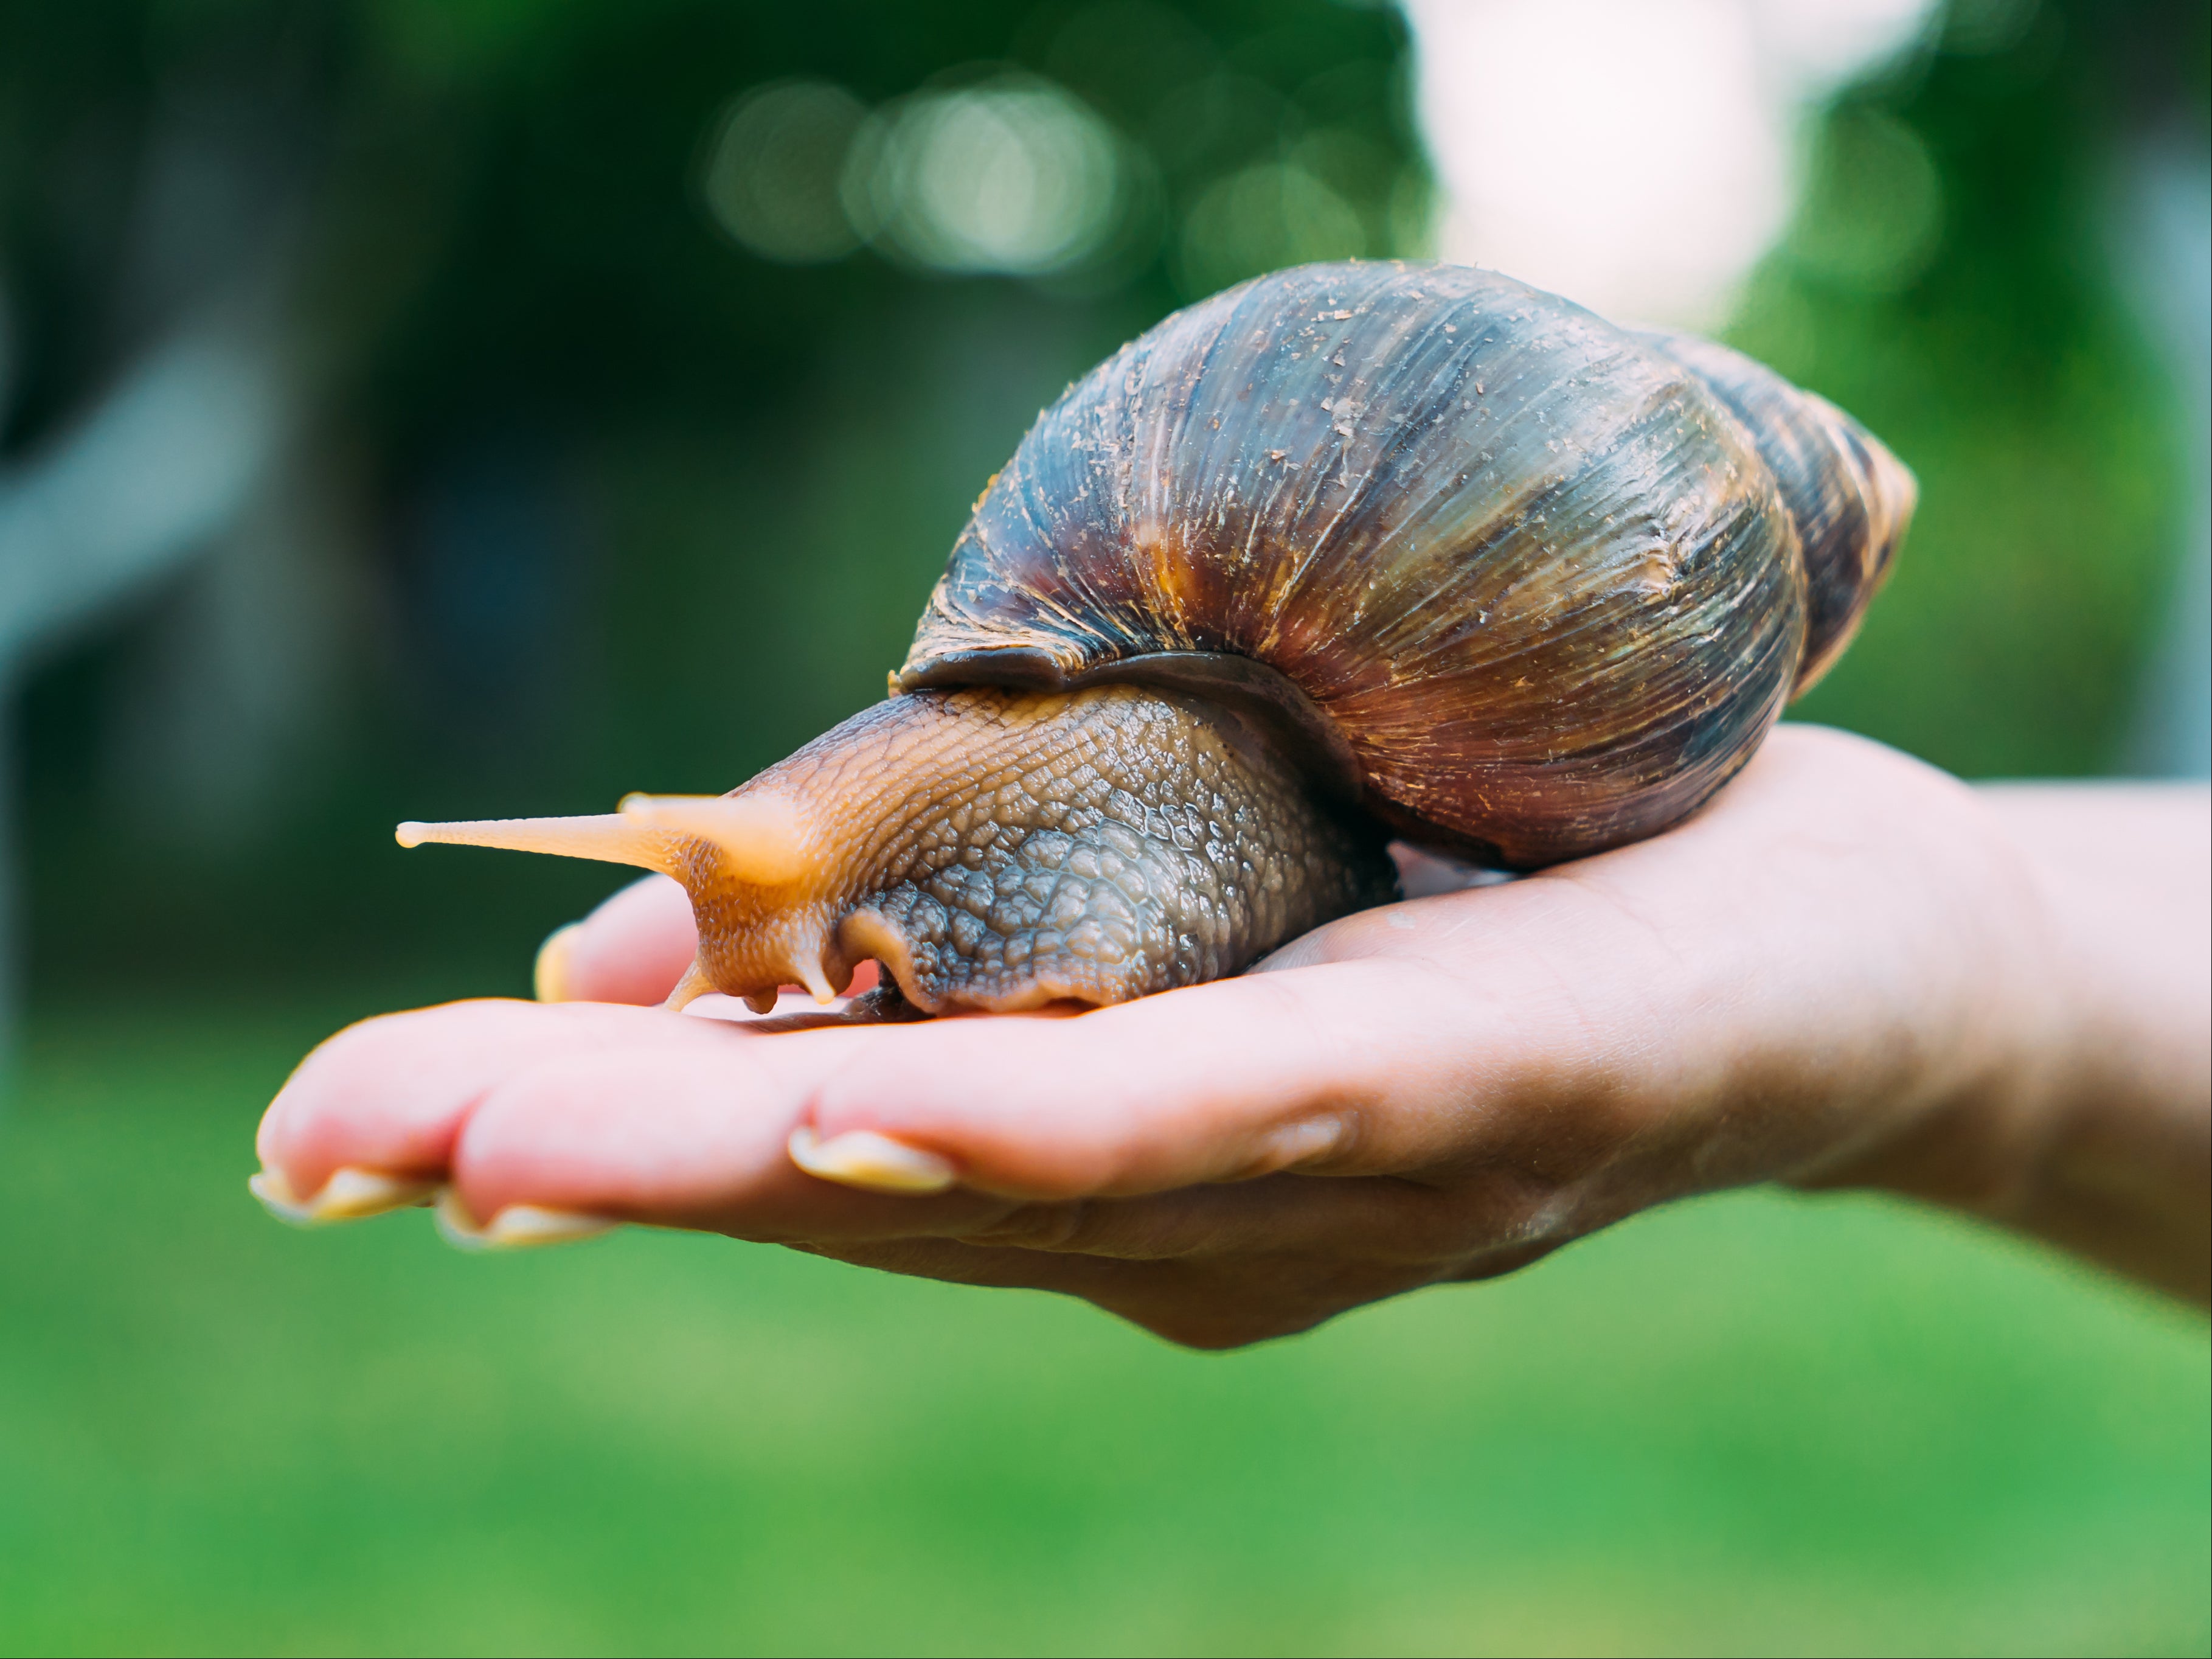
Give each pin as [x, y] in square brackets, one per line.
[1158, 536]
[1517, 519]
[1321, 550]
[1237, 493]
[1398, 384]
[1396, 476]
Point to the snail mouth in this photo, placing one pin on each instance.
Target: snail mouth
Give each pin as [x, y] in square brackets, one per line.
[1264, 697]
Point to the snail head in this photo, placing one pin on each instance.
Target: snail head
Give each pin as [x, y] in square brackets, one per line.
[992, 848]
[751, 861]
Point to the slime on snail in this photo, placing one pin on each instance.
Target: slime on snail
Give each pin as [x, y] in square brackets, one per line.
[1350, 551]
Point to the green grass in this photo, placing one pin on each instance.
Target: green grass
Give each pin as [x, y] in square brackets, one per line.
[1753, 1425]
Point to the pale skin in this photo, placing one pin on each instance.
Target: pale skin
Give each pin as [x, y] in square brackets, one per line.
[1849, 970]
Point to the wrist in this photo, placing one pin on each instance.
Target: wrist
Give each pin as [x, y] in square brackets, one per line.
[2091, 1124]
[2125, 1170]
[1991, 1009]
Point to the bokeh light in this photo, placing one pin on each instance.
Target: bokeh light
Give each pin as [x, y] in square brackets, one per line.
[1872, 210]
[773, 168]
[1639, 157]
[1260, 219]
[1013, 175]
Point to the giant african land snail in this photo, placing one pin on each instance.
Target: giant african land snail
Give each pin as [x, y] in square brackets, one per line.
[1352, 550]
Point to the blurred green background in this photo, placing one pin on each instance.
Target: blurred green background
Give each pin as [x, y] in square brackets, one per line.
[454, 410]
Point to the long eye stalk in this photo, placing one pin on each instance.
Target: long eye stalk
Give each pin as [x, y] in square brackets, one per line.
[760, 838]
[612, 838]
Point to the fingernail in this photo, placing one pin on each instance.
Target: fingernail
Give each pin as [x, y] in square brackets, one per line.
[517, 1226]
[1294, 1142]
[548, 978]
[862, 1158]
[351, 1194]
[1289, 1145]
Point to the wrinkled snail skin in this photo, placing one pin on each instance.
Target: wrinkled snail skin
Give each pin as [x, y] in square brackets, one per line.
[1003, 850]
[1351, 549]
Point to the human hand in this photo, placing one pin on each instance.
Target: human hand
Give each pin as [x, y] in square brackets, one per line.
[1848, 969]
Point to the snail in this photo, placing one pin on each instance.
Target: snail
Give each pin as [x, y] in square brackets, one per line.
[1349, 552]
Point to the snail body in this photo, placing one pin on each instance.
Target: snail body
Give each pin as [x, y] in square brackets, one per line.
[1352, 550]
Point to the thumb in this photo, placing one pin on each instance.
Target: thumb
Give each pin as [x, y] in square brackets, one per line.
[633, 949]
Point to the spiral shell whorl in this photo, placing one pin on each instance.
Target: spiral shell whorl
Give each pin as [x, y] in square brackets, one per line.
[1530, 567]
[1849, 498]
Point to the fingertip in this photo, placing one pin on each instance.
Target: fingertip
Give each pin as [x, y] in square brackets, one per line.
[349, 1194]
[387, 1092]
[517, 1227]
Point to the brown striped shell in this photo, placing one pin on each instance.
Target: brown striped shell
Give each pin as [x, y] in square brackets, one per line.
[1534, 585]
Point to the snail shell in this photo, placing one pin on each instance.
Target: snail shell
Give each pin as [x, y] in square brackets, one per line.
[1547, 581]
[1348, 550]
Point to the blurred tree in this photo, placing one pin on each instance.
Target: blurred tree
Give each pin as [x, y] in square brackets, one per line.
[1951, 279]
[618, 500]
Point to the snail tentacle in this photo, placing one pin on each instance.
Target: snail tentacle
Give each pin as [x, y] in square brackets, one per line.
[610, 838]
[760, 836]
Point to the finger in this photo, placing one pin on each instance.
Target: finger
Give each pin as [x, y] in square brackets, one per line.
[653, 1117]
[633, 949]
[690, 1134]
[388, 1095]
[1313, 1070]
[629, 1113]
[1223, 1081]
